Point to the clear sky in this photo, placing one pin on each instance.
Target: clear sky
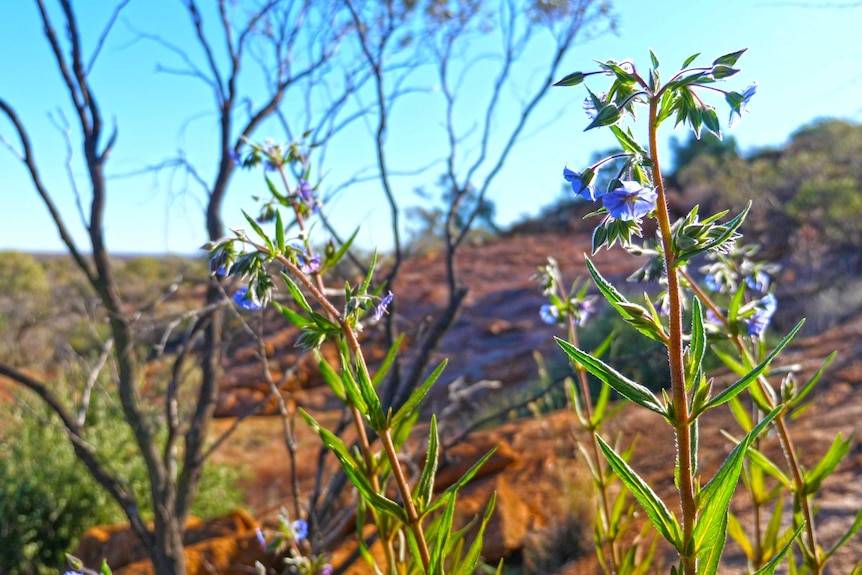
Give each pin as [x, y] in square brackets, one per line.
[804, 56]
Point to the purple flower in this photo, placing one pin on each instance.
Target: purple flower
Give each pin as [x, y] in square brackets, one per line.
[234, 156]
[380, 308]
[630, 202]
[325, 570]
[738, 102]
[299, 529]
[763, 312]
[305, 191]
[308, 266]
[260, 538]
[72, 573]
[582, 183]
[712, 318]
[246, 299]
[549, 314]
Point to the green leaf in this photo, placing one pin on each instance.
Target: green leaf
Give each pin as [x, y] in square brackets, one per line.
[654, 59]
[332, 379]
[769, 568]
[455, 487]
[353, 471]
[279, 232]
[374, 410]
[697, 348]
[727, 231]
[573, 79]
[857, 523]
[259, 231]
[735, 530]
[296, 293]
[368, 277]
[627, 310]
[387, 361]
[606, 116]
[710, 529]
[274, 191]
[296, 319]
[471, 559]
[809, 385]
[621, 384]
[729, 59]
[104, 569]
[444, 530]
[737, 387]
[690, 59]
[425, 488]
[628, 142]
[336, 257]
[418, 395]
[661, 518]
[826, 465]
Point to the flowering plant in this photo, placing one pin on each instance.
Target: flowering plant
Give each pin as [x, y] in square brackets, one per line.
[636, 193]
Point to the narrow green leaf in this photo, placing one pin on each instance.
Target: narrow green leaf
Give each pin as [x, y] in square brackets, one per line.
[296, 319]
[628, 142]
[729, 59]
[368, 277]
[737, 387]
[689, 60]
[573, 79]
[809, 385]
[339, 253]
[769, 568]
[387, 361]
[279, 232]
[661, 518]
[857, 523]
[654, 59]
[624, 386]
[455, 487]
[627, 310]
[697, 348]
[425, 488]
[471, 559]
[374, 410]
[735, 530]
[770, 536]
[444, 531]
[105, 569]
[332, 379]
[259, 231]
[353, 471]
[826, 465]
[418, 395]
[274, 191]
[296, 293]
[710, 529]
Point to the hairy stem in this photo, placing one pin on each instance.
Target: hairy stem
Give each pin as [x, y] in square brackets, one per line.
[675, 355]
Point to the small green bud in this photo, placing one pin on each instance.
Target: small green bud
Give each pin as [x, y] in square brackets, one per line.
[572, 79]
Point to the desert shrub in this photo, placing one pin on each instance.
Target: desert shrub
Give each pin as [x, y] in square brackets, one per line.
[47, 497]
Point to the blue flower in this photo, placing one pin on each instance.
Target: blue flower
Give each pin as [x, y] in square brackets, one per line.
[738, 102]
[763, 312]
[72, 573]
[299, 529]
[246, 299]
[234, 157]
[549, 314]
[260, 538]
[308, 266]
[380, 308]
[630, 202]
[712, 282]
[758, 281]
[582, 183]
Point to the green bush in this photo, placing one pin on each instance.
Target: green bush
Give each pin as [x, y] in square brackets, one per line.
[48, 499]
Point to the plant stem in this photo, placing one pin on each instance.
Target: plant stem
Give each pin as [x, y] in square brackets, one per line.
[675, 355]
[601, 486]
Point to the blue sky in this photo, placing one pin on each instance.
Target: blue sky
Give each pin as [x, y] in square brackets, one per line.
[804, 59]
